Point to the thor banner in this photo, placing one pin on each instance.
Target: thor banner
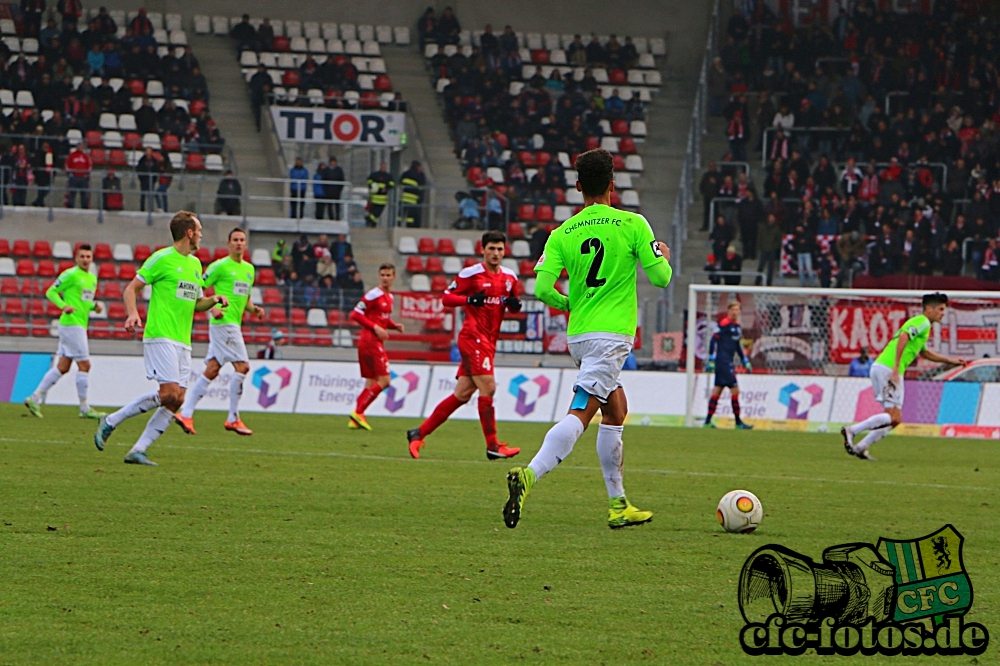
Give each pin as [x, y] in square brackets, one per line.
[354, 128]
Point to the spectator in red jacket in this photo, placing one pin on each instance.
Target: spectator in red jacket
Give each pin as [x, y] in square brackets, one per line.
[78, 168]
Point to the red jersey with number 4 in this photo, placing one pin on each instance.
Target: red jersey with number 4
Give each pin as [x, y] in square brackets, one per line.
[374, 309]
[483, 323]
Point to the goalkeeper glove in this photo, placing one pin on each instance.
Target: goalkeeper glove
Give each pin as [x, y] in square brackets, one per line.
[513, 303]
[746, 364]
[710, 366]
[478, 300]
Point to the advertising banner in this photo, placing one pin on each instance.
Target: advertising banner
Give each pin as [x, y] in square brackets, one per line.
[654, 398]
[270, 386]
[523, 394]
[333, 388]
[794, 401]
[114, 381]
[377, 129]
[421, 305]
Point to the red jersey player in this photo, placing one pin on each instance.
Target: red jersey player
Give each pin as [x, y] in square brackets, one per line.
[373, 313]
[486, 290]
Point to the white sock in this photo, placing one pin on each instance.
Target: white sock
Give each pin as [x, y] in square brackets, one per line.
[557, 445]
[880, 420]
[140, 405]
[82, 384]
[194, 395]
[235, 393]
[158, 422]
[609, 450]
[871, 438]
[48, 381]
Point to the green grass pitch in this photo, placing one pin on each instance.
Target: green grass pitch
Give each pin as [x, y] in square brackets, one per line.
[310, 543]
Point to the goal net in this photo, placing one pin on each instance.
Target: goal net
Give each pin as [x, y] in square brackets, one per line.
[802, 342]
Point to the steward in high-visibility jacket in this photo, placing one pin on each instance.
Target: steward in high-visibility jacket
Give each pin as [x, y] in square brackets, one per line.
[412, 181]
[378, 183]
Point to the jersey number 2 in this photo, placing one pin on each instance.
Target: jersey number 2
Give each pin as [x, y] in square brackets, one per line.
[595, 265]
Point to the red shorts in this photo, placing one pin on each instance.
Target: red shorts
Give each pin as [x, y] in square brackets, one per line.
[477, 358]
[373, 360]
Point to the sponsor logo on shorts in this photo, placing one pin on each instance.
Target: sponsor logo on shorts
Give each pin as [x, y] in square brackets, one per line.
[270, 383]
[528, 391]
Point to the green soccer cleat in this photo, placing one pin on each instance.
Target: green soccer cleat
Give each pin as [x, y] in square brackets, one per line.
[138, 458]
[743, 426]
[708, 424]
[91, 413]
[33, 407]
[519, 482]
[104, 430]
[623, 514]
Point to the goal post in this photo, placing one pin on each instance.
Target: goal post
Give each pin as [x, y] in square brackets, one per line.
[801, 342]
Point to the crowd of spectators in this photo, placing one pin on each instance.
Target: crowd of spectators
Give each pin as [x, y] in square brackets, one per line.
[908, 189]
[78, 75]
[486, 119]
[320, 274]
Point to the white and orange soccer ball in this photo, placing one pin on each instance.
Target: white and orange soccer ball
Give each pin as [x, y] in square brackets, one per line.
[740, 511]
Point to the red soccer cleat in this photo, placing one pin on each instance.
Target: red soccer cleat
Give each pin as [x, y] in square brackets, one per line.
[186, 424]
[501, 451]
[416, 442]
[238, 427]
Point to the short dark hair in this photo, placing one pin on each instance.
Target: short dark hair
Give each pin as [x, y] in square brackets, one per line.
[494, 237]
[233, 231]
[182, 221]
[595, 170]
[83, 246]
[387, 267]
[937, 298]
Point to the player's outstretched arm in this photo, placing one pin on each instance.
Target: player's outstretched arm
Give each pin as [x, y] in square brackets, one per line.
[938, 358]
[545, 291]
[208, 302]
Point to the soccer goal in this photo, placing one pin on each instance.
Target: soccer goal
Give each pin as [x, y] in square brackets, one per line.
[801, 343]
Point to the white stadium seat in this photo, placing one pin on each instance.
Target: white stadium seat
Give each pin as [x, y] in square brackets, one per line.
[63, 250]
[122, 252]
[174, 22]
[630, 199]
[646, 61]
[563, 213]
[293, 29]
[7, 266]
[348, 31]
[623, 181]
[383, 34]
[633, 162]
[401, 35]
[316, 317]
[658, 46]
[452, 265]
[520, 249]
[366, 33]
[330, 31]
[311, 30]
[637, 128]
[464, 247]
[420, 282]
[220, 25]
[260, 257]
[407, 245]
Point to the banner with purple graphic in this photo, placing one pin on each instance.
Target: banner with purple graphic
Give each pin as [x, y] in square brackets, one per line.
[270, 386]
[333, 388]
[792, 398]
[929, 403]
[523, 394]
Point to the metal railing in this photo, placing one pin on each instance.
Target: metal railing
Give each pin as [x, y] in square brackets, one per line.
[717, 277]
[794, 130]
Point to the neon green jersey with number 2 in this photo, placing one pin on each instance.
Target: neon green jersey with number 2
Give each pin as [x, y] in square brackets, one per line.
[600, 247]
[176, 284]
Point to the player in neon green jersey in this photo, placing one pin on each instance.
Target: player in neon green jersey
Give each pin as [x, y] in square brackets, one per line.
[72, 292]
[887, 373]
[233, 278]
[174, 276]
[599, 247]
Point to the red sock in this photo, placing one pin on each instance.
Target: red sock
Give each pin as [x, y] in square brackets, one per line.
[713, 402]
[440, 414]
[367, 397]
[736, 407]
[488, 421]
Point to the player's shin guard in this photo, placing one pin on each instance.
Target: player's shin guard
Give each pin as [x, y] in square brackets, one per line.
[557, 445]
[82, 384]
[157, 423]
[713, 403]
[735, 401]
[48, 381]
[140, 405]
[367, 397]
[235, 393]
[440, 414]
[193, 396]
[488, 420]
[609, 451]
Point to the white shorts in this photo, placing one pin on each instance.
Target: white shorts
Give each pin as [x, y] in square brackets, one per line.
[886, 394]
[225, 344]
[167, 362]
[600, 362]
[73, 343]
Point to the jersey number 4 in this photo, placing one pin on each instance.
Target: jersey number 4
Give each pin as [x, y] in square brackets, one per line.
[595, 265]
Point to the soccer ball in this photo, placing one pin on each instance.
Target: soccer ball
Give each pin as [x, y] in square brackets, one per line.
[740, 511]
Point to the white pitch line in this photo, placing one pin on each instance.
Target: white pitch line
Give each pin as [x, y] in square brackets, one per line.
[580, 468]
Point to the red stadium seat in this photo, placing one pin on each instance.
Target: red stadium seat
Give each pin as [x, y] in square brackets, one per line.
[116, 310]
[469, 261]
[265, 277]
[36, 307]
[196, 107]
[526, 158]
[593, 143]
[119, 333]
[290, 78]
[526, 212]
[382, 83]
[526, 268]
[30, 287]
[619, 160]
[141, 252]
[13, 306]
[515, 230]
[616, 199]
[22, 248]
[42, 249]
[25, 267]
[277, 316]
[117, 158]
[220, 253]
[126, 271]
[100, 329]
[439, 283]
[299, 317]
[98, 157]
[302, 336]
[65, 265]
[46, 268]
[540, 57]
[544, 213]
[434, 265]
[4, 247]
[617, 77]
[502, 140]
[194, 162]
[17, 326]
[560, 196]
[626, 146]
[445, 246]
[107, 271]
[322, 337]
[335, 318]
[281, 43]
[272, 296]
[94, 139]
[414, 264]
[369, 100]
[51, 309]
[474, 174]
[132, 141]
[200, 333]
[619, 127]
[137, 87]
[171, 143]
[425, 246]
[113, 289]
[203, 255]
[479, 247]
[102, 252]
[8, 286]
[543, 158]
